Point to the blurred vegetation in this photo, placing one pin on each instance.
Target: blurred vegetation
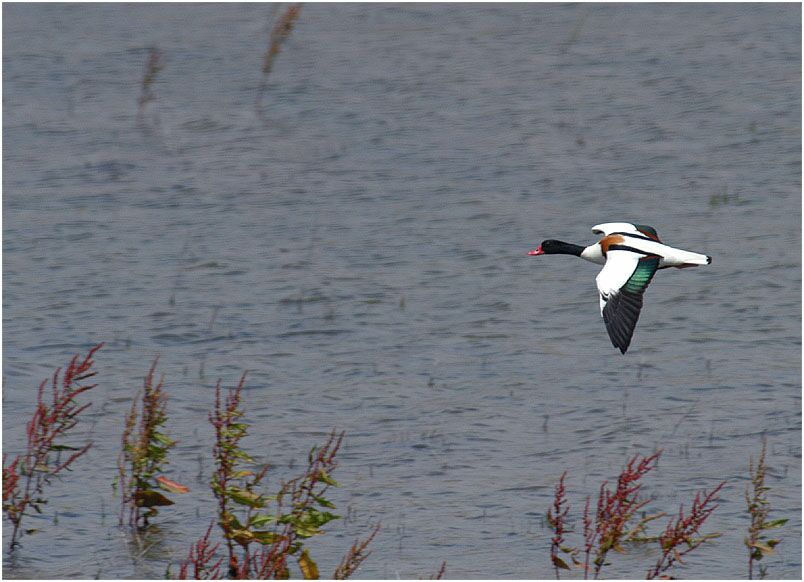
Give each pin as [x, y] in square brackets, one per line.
[726, 199]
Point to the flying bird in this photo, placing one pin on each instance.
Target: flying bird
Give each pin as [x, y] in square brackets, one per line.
[630, 254]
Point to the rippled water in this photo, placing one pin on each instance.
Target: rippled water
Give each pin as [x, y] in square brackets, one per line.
[360, 249]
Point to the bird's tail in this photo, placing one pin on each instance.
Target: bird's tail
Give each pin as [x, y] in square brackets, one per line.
[690, 259]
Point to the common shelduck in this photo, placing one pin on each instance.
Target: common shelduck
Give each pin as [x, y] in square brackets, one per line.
[631, 254]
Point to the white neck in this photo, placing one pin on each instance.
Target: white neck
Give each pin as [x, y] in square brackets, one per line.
[594, 254]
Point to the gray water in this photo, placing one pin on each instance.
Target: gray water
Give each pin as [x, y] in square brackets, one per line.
[360, 249]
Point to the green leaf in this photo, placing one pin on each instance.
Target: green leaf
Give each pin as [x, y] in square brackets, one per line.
[244, 497]
[261, 519]
[267, 537]
[559, 563]
[150, 498]
[774, 523]
[242, 455]
[324, 477]
[242, 536]
[764, 548]
[324, 502]
[229, 521]
[62, 448]
[305, 531]
[308, 568]
[319, 518]
[162, 439]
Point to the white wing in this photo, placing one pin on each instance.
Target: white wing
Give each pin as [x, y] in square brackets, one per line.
[609, 227]
[619, 267]
[621, 284]
[640, 230]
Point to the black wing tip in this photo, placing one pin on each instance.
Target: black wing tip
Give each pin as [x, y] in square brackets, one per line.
[620, 315]
[620, 342]
[708, 260]
[620, 345]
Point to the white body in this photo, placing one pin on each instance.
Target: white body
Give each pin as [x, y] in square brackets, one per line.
[619, 265]
[670, 256]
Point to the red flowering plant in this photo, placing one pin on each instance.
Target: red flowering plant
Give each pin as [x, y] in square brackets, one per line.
[55, 415]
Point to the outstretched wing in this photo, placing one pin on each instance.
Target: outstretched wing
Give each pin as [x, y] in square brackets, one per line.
[621, 284]
[648, 231]
[643, 230]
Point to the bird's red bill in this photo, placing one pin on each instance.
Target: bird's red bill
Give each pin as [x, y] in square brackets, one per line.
[538, 251]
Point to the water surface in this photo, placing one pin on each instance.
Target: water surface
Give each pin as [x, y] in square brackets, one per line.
[360, 249]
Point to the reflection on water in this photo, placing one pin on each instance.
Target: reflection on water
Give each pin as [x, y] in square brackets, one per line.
[361, 251]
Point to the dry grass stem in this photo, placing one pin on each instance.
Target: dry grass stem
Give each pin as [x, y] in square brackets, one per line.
[153, 66]
[279, 34]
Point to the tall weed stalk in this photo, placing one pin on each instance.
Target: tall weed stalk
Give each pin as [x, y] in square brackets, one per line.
[279, 34]
[26, 476]
[758, 544]
[143, 455]
[556, 517]
[611, 524]
[263, 533]
[618, 519]
[356, 555]
[153, 66]
[202, 562]
[682, 534]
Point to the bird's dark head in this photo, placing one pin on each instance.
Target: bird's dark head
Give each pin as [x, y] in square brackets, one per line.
[557, 247]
